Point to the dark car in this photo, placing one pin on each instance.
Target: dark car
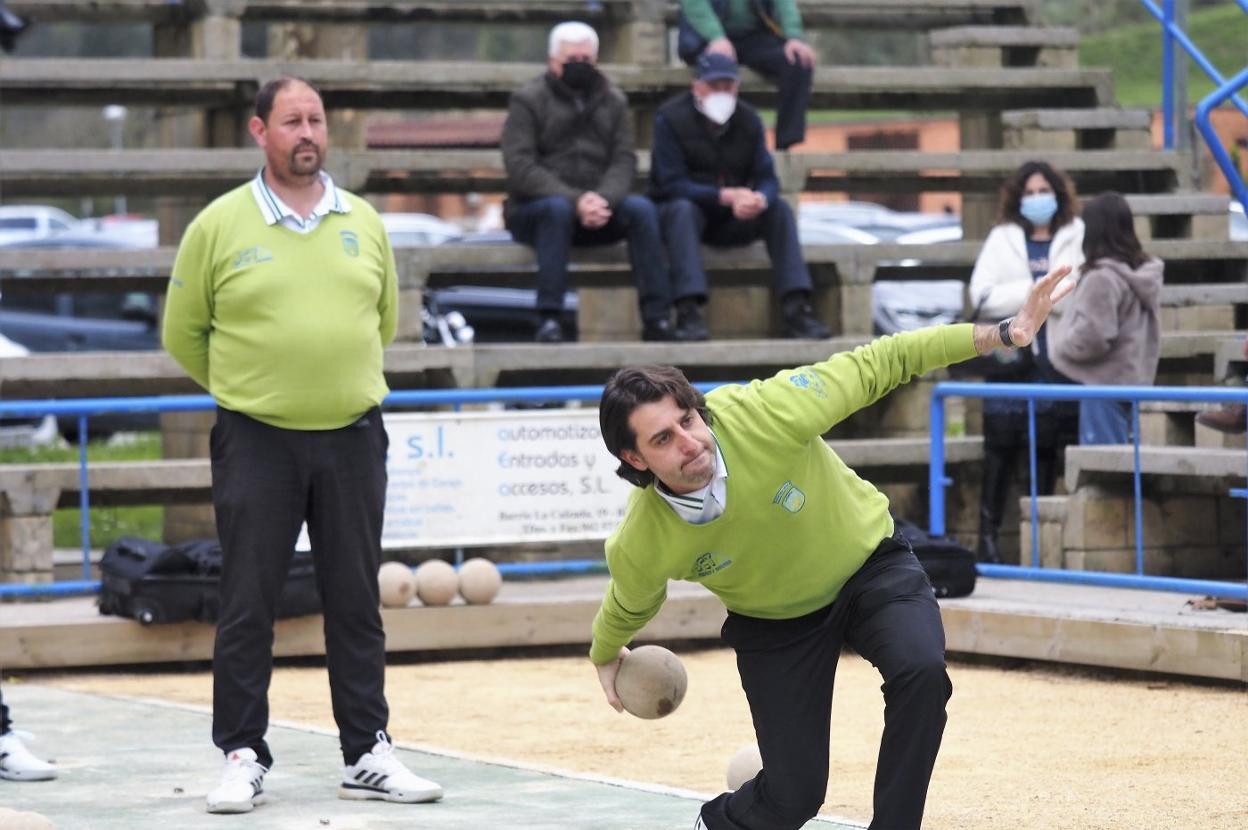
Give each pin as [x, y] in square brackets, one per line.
[81, 321]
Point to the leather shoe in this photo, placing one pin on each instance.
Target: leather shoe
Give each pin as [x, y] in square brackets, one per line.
[549, 331]
[690, 326]
[1228, 419]
[657, 331]
[802, 324]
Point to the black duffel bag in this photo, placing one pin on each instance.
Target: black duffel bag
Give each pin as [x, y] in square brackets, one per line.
[950, 566]
[157, 583]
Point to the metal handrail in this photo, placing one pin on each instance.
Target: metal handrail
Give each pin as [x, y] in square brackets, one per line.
[84, 408]
[1171, 34]
[937, 480]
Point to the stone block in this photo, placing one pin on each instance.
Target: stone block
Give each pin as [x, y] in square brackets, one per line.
[183, 523]
[1096, 518]
[1176, 520]
[1052, 515]
[968, 56]
[1209, 562]
[1134, 140]
[1119, 560]
[852, 310]
[411, 327]
[609, 314]
[26, 545]
[1167, 429]
[1040, 140]
[905, 409]
[1232, 525]
[1205, 318]
[185, 434]
[1205, 226]
[1055, 57]
[734, 311]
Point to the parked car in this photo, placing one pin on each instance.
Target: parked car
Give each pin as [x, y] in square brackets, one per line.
[410, 229]
[82, 321]
[881, 222]
[905, 305]
[19, 222]
[24, 432]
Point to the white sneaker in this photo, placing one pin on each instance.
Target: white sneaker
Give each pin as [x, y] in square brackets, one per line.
[242, 784]
[379, 775]
[17, 764]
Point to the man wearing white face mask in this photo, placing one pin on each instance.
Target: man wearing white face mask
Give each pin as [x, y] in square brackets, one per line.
[716, 183]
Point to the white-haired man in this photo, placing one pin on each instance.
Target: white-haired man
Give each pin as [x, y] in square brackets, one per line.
[568, 149]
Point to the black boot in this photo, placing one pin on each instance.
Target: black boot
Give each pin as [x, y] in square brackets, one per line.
[996, 486]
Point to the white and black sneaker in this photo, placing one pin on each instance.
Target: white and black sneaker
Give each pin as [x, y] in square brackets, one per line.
[242, 784]
[17, 763]
[381, 776]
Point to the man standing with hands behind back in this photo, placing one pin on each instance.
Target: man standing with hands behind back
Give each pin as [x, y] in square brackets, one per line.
[282, 298]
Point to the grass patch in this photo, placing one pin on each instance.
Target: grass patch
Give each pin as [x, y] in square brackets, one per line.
[1133, 52]
[107, 523]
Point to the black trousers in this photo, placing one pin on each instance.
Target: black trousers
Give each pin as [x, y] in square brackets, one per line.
[266, 482]
[888, 614]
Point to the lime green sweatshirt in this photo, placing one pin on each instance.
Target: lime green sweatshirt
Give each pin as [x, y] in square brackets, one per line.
[739, 18]
[287, 328]
[798, 521]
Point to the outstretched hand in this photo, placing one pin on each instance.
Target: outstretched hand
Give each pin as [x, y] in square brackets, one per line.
[1045, 293]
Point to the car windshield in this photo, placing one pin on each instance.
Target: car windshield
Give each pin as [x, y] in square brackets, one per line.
[17, 223]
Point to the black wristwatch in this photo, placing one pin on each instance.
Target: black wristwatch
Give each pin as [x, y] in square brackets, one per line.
[1004, 330]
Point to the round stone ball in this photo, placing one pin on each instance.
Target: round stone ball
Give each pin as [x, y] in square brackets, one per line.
[651, 682]
[744, 766]
[436, 582]
[397, 584]
[479, 581]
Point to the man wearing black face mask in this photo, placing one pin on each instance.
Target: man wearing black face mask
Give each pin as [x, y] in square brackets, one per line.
[568, 150]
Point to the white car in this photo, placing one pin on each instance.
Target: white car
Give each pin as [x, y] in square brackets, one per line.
[24, 432]
[1239, 222]
[410, 229]
[33, 222]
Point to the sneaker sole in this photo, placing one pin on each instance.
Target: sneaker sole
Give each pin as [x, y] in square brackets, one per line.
[369, 794]
[13, 775]
[231, 807]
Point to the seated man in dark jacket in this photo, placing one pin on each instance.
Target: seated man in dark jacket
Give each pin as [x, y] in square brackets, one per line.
[716, 183]
[568, 150]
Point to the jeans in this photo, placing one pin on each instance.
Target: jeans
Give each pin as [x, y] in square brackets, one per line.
[686, 226]
[1104, 422]
[550, 225]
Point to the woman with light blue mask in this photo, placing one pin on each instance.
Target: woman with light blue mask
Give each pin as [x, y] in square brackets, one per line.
[1038, 230]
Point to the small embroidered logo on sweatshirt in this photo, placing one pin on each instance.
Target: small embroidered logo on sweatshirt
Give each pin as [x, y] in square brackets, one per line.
[252, 256]
[350, 243]
[810, 383]
[705, 565]
[790, 497]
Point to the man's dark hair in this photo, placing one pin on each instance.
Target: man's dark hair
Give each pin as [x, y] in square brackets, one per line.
[628, 389]
[268, 94]
[1063, 189]
[1109, 232]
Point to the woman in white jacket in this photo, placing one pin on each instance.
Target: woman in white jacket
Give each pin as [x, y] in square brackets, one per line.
[1038, 230]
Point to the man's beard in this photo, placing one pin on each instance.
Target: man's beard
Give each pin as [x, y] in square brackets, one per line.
[301, 167]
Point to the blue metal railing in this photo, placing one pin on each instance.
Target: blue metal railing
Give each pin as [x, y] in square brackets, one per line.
[84, 408]
[1032, 393]
[1226, 89]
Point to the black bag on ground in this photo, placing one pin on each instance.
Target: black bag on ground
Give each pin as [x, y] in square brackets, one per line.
[949, 565]
[157, 583]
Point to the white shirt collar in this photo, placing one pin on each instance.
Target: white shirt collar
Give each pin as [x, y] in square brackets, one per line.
[706, 503]
[275, 211]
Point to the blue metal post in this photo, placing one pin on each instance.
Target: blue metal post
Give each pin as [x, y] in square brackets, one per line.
[1167, 74]
[84, 498]
[936, 468]
[1139, 491]
[1197, 56]
[1203, 111]
[1031, 460]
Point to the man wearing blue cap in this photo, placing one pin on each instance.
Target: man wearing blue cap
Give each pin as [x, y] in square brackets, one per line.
[766, 36]
[716, 183]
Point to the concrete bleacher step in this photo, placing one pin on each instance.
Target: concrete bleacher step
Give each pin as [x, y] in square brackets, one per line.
[25, 173]
[1073, 128]
[1087, 463]
[1005, 46]
[412, 85]
[917, 14]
